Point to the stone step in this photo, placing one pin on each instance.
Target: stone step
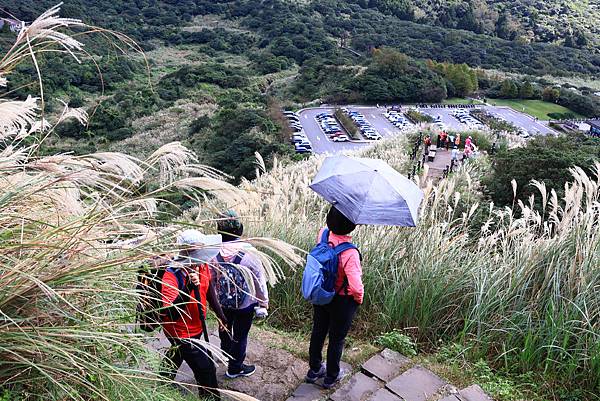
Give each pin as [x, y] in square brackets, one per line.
[360, 387]
[314, 392]
[386, 365]
[416, 384]
[474, 393]
[385, 395]
[307, 392]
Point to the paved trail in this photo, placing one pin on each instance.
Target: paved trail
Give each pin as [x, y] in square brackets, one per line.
[390, 376]
[278, 372]
[386, 376]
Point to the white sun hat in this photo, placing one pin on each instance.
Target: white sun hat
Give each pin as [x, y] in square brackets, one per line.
[210, 244]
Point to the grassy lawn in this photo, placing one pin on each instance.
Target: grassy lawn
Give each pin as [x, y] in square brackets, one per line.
[459, 100]
[535, 108]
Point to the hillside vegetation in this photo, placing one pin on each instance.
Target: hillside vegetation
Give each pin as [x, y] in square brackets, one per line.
[574, 23]
[514, 286]
[75, 229]
[219, 71]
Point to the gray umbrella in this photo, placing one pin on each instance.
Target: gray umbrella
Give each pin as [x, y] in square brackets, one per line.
[368, 191]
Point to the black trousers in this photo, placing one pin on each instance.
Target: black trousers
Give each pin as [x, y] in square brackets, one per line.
[198, 359]
[235, 340]
[333, 319]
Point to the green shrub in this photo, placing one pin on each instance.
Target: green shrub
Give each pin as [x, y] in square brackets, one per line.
[397, 341]
[496, 385]
[418, 117]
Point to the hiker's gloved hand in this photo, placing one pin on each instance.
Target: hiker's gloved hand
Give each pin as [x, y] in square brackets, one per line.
[261, 313]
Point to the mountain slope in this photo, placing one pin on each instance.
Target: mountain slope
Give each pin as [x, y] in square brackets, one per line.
[572, 22]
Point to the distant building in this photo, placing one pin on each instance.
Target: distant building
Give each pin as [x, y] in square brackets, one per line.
[594, 128]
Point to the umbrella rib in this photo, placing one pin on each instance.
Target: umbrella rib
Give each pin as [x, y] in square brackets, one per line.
[367, 193]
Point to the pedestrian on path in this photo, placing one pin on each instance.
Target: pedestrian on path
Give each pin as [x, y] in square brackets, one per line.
[457, 140]
[334, 319]
[455, 153]
[444, 139]
[186, 288]
[240, 306]
[468, 152]
[468, 142]
[450, 141]
[427, 143]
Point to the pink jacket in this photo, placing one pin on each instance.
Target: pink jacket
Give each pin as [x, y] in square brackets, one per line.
[348, 267]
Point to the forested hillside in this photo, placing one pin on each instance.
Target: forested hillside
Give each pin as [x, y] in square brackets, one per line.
[220, 69]
[574, 23]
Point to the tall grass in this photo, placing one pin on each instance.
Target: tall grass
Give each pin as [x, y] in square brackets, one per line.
[522, 287]
[74, 229]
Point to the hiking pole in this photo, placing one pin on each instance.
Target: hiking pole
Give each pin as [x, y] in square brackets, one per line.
[202, 316]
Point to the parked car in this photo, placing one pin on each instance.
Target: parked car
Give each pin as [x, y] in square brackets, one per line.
[303, 149]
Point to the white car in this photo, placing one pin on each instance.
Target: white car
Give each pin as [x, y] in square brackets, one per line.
[340, 138]
[373, 136]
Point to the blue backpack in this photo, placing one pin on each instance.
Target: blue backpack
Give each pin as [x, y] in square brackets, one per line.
[319, 275]
[232, 288]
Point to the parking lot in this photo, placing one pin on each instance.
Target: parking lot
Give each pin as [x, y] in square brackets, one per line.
[375, 116]
[521, 120]
[447, 118]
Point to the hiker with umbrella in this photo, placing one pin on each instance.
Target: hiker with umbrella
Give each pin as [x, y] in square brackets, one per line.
[361, 191]
[186, 288]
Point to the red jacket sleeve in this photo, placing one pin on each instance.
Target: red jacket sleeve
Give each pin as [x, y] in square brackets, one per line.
[169, 289]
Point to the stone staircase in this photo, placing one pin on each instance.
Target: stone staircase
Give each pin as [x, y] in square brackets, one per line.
[436, 168]
[390, 376]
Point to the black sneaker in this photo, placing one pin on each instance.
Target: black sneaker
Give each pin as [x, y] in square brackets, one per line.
[329, 382]
[313, 376]
[245, 371]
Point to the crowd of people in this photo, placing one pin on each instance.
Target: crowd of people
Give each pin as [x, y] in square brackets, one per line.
[190, 283]
[452, 142]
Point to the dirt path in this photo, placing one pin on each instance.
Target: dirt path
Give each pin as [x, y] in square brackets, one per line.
[278, 372]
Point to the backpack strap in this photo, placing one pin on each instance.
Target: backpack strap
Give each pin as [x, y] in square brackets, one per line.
[178, 276]
[325, 236]
[344, 246]
[238, 258]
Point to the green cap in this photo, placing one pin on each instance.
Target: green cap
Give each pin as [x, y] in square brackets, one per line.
[229, 222]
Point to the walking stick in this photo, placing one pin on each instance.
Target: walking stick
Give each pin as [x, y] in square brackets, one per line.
[202, 316]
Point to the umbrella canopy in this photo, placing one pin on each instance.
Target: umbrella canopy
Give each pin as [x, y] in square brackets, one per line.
[368, 191]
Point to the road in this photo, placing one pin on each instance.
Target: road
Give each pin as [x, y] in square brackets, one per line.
[322, 145]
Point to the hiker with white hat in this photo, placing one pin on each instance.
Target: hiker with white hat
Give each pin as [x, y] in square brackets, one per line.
[186, 288]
